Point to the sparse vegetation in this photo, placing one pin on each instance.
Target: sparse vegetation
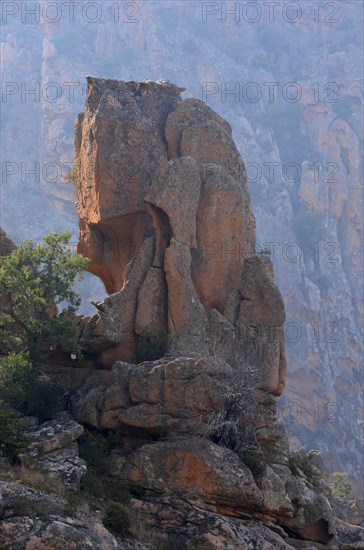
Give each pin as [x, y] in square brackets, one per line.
[234, 425]
[301, 463]
[11, 441]
[117, 518]
[339, 485]
[24, 391]
[70, 177]
[265, 250]
[32, 477]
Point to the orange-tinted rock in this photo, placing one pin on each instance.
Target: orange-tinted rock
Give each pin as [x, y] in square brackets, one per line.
[199, 470]
[191, 111]
[119, 144]
[198, 209]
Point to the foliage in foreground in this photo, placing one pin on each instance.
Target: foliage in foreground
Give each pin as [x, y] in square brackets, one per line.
[301, 463]
[11, 441]
[117, 518]
[339, 485]
[23, 390]
[33, 280]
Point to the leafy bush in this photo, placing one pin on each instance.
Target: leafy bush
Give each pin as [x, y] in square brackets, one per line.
[117, 518]
[339, 485]
[33, 279]
[150, 348]
[11, 440]
[16, 379]
[45, 400]
[94, 449]
[265, 250]
[22, 389]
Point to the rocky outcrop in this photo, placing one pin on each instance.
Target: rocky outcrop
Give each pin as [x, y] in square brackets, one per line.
[52, 448]
[186, 263]
[36, 520]
[193, 281]
[170, 40]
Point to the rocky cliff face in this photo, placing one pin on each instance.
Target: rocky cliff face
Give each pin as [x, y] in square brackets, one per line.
[222, 367]
[320, 278]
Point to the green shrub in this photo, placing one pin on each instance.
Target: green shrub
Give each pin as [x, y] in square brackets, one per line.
[117, 518]
[339, 485]
[137, 491]
[22, 390]
[302, 464]
[150, 348]
[11, 440]
[105, 487]
[265, 250]
[94, 449]
[16, 379]
[33, 279]
[45, 400]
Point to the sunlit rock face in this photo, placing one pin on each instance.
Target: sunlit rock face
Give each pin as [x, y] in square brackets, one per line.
[217, 309]
[188, 194]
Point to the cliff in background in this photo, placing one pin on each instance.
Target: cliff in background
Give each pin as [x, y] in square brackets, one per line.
[321, 283]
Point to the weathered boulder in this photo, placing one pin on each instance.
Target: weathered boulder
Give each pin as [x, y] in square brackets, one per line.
[176, 252]
[189, 525]
[65, 465]
[52, 447]
[119, 144]
[197, 470]
[189, 192]
[350, 536]
[49, 436]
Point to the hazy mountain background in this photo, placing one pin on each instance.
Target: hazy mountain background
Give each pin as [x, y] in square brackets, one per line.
[288, 77]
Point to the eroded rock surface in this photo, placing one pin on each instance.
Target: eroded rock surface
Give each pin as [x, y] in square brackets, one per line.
[52, 447]
[34, 520]
[176, 251]
[176, 247]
